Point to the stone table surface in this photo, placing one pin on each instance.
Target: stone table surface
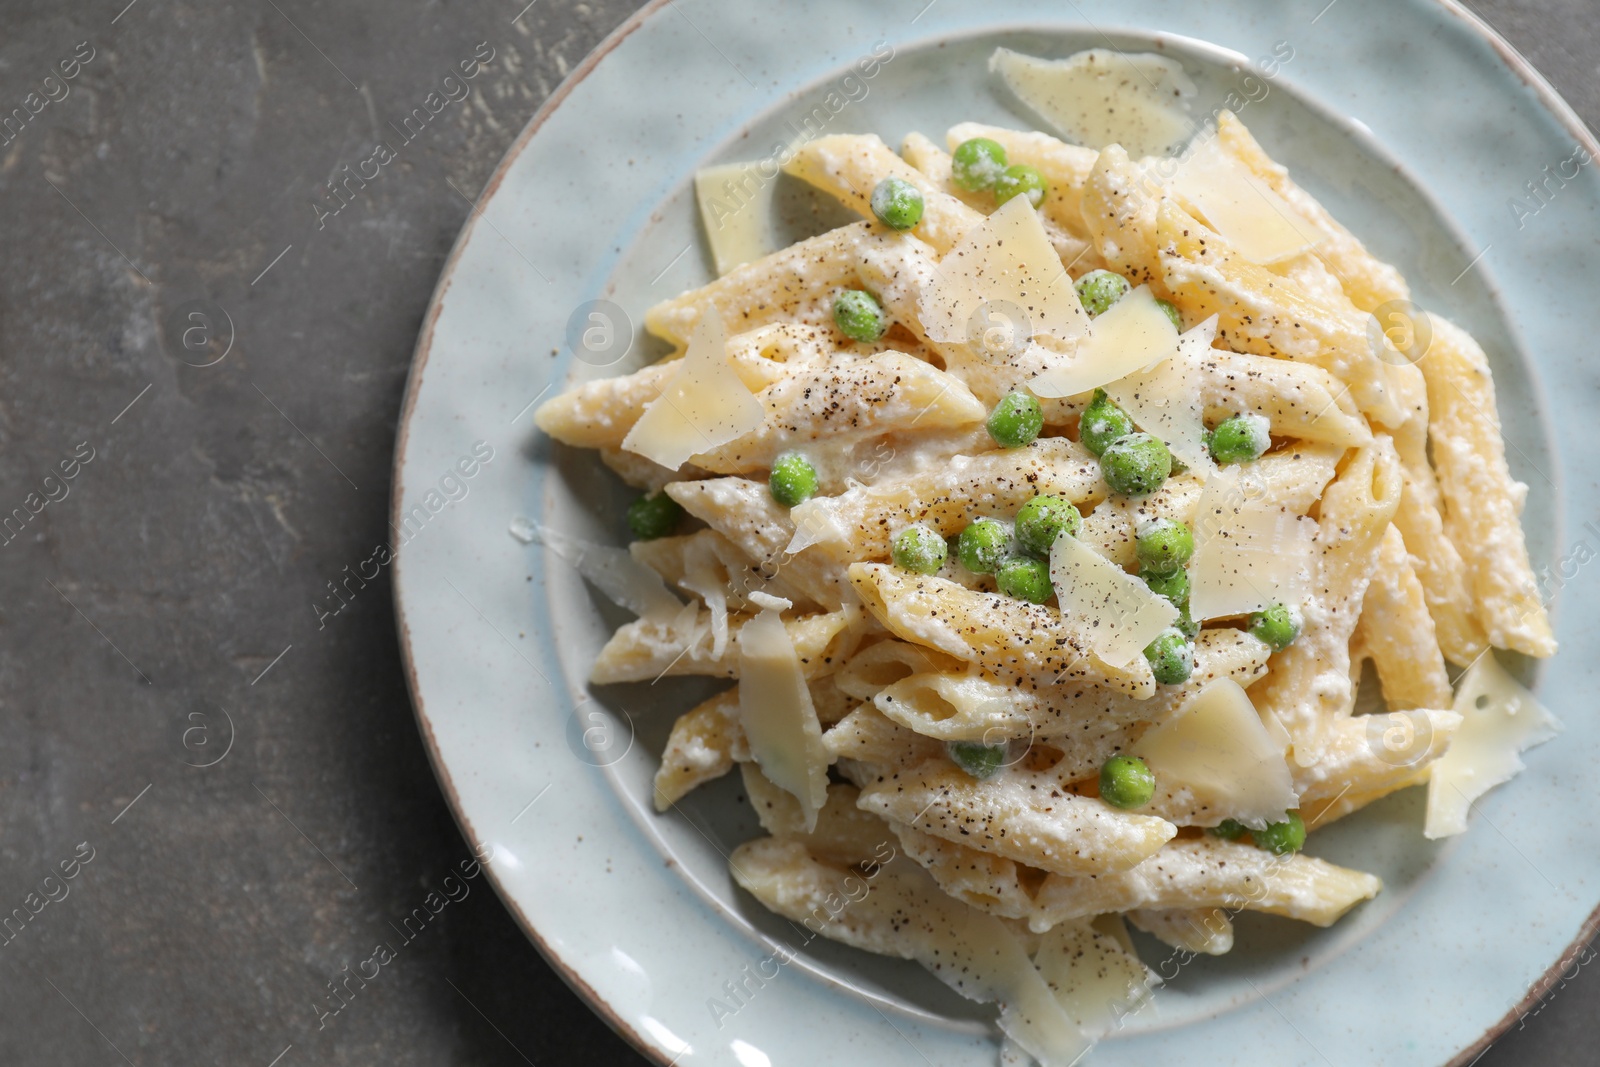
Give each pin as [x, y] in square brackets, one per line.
[163, 605]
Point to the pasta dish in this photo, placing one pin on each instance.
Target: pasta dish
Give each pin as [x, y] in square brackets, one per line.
[1043, 523]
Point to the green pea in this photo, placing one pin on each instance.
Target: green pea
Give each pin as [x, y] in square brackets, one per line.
[1042, 520]
[1174, 586]
[1126, 782]
[983, 545]
[1282, 838]
[919, 549]
[1186, 624]
[859, 317]
[793, 480]
[653, 515]
[1019, 179]
[976, 164]
[1101, 423]
[1099, 289]
[1164, 546]
[1025, 578]
[979, 760]
[1170, 310]
[897, 203]
[1240, 439]
[1135, 464]
[1171, 657]
[1228, 830]
[1278, 626]
[1016, 420]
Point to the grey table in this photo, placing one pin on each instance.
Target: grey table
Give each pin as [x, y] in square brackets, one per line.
[237, 782]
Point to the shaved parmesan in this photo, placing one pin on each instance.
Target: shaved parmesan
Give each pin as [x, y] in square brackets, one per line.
[625, 581]
[1130, 336]
[1114, 612]
[701, 407]
[1096, 979]
[1002, 270]
[1103, 97]
[779, 719]
[736, 211]
[706, 577]
[1249, 553]
[1499, 719]
[1218, 750]
[978, 956]
[1165, 399]
[1250, 216]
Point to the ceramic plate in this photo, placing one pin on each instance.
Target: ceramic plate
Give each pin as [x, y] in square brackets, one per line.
[1417, 128]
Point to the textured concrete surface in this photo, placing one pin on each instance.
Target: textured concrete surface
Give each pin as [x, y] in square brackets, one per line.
[238, 791]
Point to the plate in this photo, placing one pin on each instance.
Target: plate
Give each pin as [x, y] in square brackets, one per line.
[1415, 125]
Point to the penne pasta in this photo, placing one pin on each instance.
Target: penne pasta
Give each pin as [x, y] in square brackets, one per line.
[647, 649]
[963, 706]
[1366, 281]
[1066, 169]
[1205, 931]
[745, 513]
[1397, 632]
[1205, 872]
[1483, 502]
[1308, 686]
[794, 285]
[849, 166]
[705, 743]
[1366, 757]
[1021, 816]
[1261, 313]
[1005, 636]
[859, 523]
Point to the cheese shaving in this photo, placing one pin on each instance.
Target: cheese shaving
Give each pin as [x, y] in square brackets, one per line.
[979, 957]
[625, 581]
[1218, 750]
[1103, 96]
[703, 406]
[1165, 399]
[1243, 209]
[1499, 719]
[775, 705]
[1249, 554]
[1116, 613]
[1130, 336]
[1003, 270]
[736, 211]
[706, 577]
[1096, 979]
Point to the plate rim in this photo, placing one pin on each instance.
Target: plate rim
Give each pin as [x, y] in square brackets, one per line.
[419, 361]
[1557, 105]
[1517, 64]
